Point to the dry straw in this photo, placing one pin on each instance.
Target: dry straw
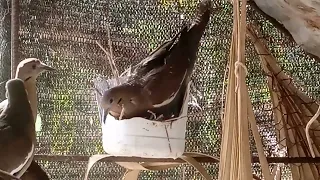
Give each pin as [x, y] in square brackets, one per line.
[235, 157]
[292, 111]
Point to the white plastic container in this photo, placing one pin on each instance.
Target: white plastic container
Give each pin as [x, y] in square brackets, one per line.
[139, 137]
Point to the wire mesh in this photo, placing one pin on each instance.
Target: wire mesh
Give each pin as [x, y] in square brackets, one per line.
[64, 34]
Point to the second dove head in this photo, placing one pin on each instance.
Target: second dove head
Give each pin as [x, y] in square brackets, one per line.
[31, 68]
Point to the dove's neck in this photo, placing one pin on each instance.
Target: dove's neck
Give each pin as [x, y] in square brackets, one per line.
[30, 86]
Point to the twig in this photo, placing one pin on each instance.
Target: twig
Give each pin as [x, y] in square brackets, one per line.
[111, 62]
[165, 127]
[153, 114]
[307, 130]
[122, 112]
[3, 82]
[97, 91]
[223, 89]
[110, 44]
[159, 117]
[174, 119]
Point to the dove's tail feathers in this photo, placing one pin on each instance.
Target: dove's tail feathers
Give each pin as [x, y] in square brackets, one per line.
[190, 36]
[200, 21]
[203, 14]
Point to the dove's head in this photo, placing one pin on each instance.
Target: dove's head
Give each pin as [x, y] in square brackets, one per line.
[126, 98]
[31, 68]
[15, 89]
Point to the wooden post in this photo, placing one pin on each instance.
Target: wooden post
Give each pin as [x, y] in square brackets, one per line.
[4, 46]
[14, 36]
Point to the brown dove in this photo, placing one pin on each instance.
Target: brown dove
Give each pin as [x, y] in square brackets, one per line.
[158, 83]
[35, 172]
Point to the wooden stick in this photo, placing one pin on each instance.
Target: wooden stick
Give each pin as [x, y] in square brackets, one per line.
[254, 159]
[111, 62]
[14, 36]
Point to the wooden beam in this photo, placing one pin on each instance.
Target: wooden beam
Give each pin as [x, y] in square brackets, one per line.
[15, 20]
[63, 158]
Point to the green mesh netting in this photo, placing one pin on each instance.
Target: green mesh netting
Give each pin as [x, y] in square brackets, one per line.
[62, 33]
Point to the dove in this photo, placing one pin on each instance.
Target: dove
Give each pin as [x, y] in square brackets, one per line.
[28, 70]
[17, 129]
[35, 172]
[5, 175]
[119, 98]
[158, 83]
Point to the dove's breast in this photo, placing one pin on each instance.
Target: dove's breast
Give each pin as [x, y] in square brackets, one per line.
[16, 154]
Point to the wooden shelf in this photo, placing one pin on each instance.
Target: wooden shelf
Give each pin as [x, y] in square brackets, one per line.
[63, 158]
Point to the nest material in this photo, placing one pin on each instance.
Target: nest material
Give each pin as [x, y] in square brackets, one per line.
[292, 109]
[235, 149]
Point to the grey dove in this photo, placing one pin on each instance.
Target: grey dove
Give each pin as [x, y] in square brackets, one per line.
[17, 129]
[28, 70]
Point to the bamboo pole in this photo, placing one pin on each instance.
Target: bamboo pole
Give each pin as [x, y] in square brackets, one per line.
[235, 155]
[254, 159]
[14, 36]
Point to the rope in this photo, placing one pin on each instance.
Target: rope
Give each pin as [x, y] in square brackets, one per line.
[316, 115]
[236, 71]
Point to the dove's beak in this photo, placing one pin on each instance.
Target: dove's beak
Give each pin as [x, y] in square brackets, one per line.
[46, 67]
[104, 115]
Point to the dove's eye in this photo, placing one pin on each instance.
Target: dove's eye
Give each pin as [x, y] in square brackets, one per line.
[132, 101]
[111, 100]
